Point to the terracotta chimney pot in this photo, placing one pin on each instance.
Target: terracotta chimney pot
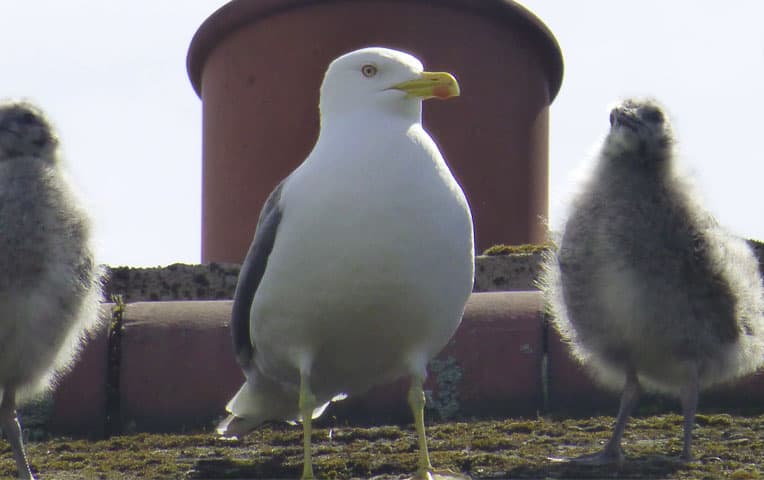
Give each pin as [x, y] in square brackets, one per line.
[258, 65]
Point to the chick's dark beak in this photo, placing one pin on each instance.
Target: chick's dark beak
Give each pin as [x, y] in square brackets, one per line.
[622, 117]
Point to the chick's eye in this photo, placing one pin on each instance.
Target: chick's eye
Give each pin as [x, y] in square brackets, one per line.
[369, 70]
[28, 118]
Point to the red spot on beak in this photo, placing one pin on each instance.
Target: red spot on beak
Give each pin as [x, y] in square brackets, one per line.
[441, 91]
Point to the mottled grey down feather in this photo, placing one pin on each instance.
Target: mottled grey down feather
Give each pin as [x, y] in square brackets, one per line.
[50, 284]
[647, 274]
[647, 287]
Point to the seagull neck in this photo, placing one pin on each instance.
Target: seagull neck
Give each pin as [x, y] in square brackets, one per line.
[375, 124]
[395, 110]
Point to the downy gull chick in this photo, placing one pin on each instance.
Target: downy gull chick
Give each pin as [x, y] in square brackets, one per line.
[650, 291]
[50, 286]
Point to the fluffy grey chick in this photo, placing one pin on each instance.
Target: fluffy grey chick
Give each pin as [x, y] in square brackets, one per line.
[49, 284]
[648, 289]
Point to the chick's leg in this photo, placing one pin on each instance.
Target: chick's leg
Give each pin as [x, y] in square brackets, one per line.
[612, 452]
[688, 395]
[10, 423]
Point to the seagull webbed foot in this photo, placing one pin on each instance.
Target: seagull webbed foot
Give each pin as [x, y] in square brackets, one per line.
[608, 456]
[438, 475]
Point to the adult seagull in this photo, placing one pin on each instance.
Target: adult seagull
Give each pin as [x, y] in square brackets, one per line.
[362, 260]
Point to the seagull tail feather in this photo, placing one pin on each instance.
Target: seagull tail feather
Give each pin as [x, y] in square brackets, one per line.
[258, 400]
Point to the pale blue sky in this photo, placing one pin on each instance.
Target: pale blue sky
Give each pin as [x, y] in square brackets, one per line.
[703, 60]
[112, 77]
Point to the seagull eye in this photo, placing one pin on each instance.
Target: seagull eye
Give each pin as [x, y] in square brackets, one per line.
[369, 70]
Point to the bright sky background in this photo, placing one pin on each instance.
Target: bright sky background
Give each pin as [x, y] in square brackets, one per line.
[112, 77]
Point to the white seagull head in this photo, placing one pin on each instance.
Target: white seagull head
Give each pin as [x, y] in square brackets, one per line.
[381, 79]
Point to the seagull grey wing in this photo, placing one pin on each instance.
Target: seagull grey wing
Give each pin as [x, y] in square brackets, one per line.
[251, 273]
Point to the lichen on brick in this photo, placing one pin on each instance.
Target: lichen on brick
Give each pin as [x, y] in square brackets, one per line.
[35, 415]
[527, 248]
[444, 400]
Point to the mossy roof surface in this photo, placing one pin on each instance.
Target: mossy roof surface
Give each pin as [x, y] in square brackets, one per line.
[526, 248]
[726, 447]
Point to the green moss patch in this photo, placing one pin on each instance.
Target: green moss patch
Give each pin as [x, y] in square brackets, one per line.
[527, 248]
[725, 446]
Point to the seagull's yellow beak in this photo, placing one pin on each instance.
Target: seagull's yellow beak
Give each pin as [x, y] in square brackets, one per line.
[431, 85]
